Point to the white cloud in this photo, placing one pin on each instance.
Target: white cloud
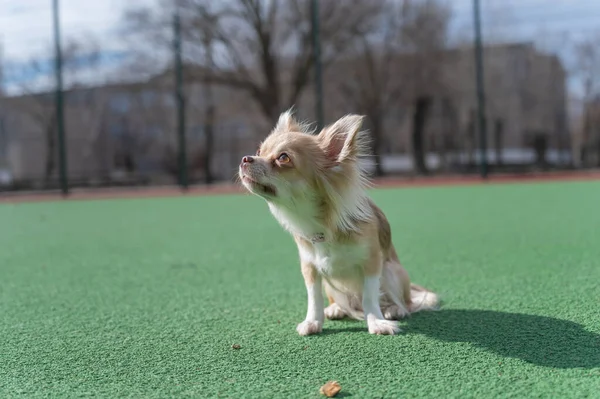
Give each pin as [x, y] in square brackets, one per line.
[26, 25]
[26, 32]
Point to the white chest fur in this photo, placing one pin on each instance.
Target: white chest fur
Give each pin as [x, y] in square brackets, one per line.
[301, 220]
[334, 259]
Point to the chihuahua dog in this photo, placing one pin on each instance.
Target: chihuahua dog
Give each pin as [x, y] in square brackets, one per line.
[317, 190]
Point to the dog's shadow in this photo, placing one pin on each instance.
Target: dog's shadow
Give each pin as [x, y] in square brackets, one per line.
[540, 340]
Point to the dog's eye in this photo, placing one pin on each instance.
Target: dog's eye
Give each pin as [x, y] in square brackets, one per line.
[258, 152]
[283, 158]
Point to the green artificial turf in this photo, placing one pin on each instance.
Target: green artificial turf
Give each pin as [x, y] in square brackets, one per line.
[145, 298]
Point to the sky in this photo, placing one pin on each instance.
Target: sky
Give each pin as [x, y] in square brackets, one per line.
[26, 27]
[26, 32]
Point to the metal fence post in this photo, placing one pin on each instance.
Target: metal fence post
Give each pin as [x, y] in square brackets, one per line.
[59, 105]
[3, 143]
[480, 89]
[317, 61]
[182, 158]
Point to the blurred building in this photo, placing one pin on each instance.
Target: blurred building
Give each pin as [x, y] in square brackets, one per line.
[526, 101]
[128, 132]
[120, 134]
[526, 98]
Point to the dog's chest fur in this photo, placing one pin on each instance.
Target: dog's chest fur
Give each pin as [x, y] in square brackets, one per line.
[318, 246]
[337, 260]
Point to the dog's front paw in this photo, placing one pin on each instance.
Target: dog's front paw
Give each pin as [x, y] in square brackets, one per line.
[334, 312]
[309, 327]
[382, 327]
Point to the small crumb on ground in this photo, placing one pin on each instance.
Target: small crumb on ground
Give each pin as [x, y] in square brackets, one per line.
[330, 389]
[236, 346]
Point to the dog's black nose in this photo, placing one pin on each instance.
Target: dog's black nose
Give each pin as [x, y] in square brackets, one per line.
[247, 159]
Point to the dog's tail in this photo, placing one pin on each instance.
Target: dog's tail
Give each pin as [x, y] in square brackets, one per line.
[422, 299]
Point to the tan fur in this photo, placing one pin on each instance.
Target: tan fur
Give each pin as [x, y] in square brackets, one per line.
[330, 299]
[319, 195]
[308, 272]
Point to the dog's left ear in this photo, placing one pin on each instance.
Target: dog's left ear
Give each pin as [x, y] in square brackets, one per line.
[341, 141]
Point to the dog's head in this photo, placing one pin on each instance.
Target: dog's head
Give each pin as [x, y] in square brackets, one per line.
[292, 163]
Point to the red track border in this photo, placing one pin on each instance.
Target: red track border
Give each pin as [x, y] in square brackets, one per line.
[223, 189]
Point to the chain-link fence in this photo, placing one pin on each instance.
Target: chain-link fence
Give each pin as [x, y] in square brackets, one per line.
[176, 92]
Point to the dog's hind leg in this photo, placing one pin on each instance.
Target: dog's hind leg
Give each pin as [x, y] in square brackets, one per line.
[395, 302]
[334, 311]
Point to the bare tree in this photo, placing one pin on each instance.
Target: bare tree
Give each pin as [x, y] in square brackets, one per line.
[263, 48]
[207, 31]
[374, 88]
[395, 66]
[40, 109]
[425, 35]
[588, 68]
[80, 58]
[588, 64]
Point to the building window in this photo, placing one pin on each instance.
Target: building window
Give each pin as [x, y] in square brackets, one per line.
[120, 103]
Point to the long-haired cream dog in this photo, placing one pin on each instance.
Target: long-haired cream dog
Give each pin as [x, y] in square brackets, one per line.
[316, 189]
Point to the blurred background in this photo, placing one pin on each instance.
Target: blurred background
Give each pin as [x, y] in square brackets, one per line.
[155, 92]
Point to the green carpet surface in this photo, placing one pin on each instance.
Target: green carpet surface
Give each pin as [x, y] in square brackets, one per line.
[145, 298]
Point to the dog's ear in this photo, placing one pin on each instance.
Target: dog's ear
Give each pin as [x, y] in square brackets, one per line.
[287, 122]
[342, 141]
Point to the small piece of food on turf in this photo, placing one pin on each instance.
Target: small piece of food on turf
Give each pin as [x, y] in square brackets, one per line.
[236, 346]
[330, 389]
